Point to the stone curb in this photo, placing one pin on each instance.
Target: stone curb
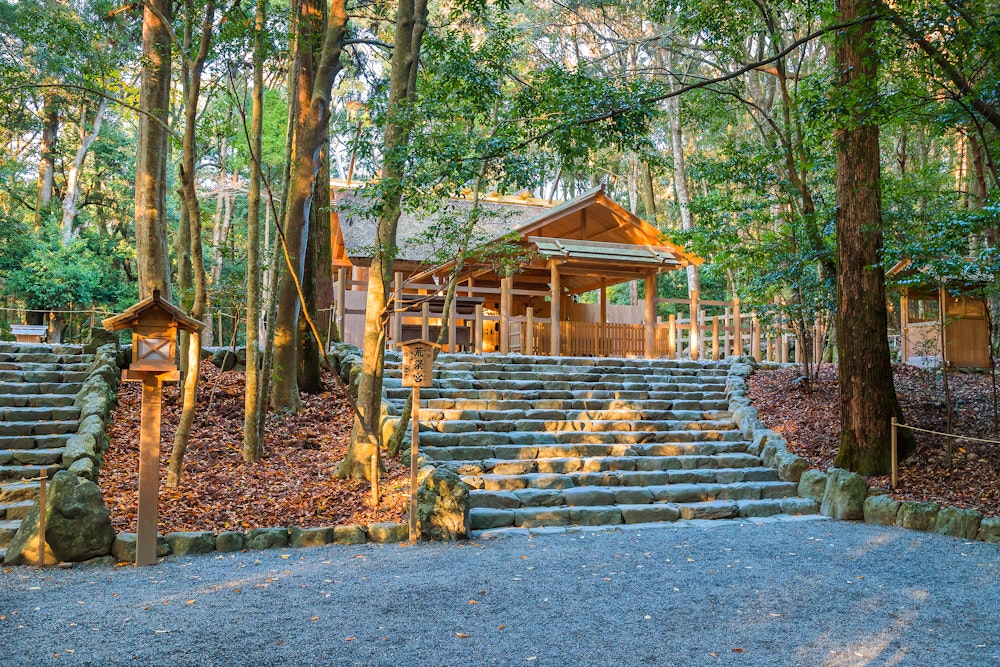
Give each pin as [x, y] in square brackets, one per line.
[258, 539]
[842, 494]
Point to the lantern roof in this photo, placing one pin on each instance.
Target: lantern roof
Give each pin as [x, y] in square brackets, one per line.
[149, 306]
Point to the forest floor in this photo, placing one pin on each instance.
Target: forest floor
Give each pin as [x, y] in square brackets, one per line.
[294, 484]
[810, 422]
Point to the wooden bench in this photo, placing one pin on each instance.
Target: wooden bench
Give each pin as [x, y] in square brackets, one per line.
[29, 333]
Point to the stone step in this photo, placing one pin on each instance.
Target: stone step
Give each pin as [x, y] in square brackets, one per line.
[8, 528]
[41, 441]
[548, 421]
[704, 484]
[569, 405]
[40, 387]
[39, 377]
[554, 451]
[630, 513]
[556, 384]
[36, 400]
[16, 509]
[567, 464]
[14, 365]
[555, 373]
[30, 428]
[486, 439]
[434, 417]
[44, 456]
[15, 492]
[27, 471]
[695, 400]
[519, 361]
[35, 414]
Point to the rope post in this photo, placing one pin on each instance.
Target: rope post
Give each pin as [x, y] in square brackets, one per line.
[414, 455]
[41, 517]
[895, 462]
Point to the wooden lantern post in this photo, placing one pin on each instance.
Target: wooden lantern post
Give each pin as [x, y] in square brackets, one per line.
[418, 371]
[154, 324]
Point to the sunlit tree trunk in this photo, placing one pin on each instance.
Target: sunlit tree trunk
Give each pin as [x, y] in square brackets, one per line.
[46, 161]
[76, 167]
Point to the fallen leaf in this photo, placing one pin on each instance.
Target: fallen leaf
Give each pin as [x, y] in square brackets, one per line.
[349, 639]
[189, 602]
[473, 602]
[462, 635]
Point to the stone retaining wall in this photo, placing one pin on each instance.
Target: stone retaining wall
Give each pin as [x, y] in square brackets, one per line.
[842, 494]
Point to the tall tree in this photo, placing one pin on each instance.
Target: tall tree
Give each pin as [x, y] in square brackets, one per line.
[152, 254]
[868, 399]
[312, 126]
[411, 21]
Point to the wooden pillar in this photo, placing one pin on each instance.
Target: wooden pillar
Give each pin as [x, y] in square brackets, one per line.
[397, 314]
[727, 333]
[904, 319]
[650, 346]
[453, 327]
[425, 316]
[694, 337]
[341, 299]
[737, 328]
[479, 329]
[528, 333]
[504, 315]
[602, 325]
[715, 338]
[555, 341]
[149, 469]
[671, 336]
[755, 338]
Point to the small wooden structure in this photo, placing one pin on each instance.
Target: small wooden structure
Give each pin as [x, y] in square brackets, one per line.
[967, 335]
[154, 324]
[29, 333]
[417, 372]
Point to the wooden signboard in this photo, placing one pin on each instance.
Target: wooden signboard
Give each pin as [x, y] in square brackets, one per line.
[418, 371]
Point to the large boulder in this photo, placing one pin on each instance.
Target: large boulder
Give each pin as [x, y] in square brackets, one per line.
[989, 530]
[77, 524]
[443, 502]
[881, 510]
[226, 359]
[845, 494]
[812, 484]
[917, 516]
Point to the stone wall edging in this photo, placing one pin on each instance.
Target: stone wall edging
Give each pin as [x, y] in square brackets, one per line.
[842, 494]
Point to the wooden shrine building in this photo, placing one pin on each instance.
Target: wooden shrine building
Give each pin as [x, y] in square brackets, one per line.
[921, 300]
[562, 250]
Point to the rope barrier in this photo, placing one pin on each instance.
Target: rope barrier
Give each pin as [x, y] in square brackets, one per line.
[948, 435]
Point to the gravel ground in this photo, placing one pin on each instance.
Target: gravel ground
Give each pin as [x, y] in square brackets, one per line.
[814, 593]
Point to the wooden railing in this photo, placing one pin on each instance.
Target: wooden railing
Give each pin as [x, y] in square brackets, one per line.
[730, 333]
[68, 325]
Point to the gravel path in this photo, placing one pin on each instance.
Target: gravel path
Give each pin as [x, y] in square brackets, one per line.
[811, 593]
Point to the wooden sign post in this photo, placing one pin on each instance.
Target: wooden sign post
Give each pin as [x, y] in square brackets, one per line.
[154, 323]
[418, 371]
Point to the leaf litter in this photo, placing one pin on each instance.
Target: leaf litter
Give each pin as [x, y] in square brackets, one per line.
[810, 422]
[294, 484]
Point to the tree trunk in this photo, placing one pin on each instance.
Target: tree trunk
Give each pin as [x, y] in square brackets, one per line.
[73, 179]
[46, 161]
[680, 184]
[189, 195]
[311, 132]
[411, 21]
[152, 255]
[867, 396]
[253, 438]
[310, 380]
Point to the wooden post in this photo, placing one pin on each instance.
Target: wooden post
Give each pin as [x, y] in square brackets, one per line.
[555, 341]
[373, 474]
[895, 462]
[149, 469]
[650, 346]
[414, 453]
[504, 315]
[478, 328]
[602, 323]
[737, 328]
[41, 517]
[397, 312]
[904, 319]
[341, 299]
[453, 327]
[528, 334]
[694, 336]
[715, 338]
[755, 338]
[671, 336]
[727, 332]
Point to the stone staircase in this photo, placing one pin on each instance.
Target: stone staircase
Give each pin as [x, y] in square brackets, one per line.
[549, 442]
[38, 384]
